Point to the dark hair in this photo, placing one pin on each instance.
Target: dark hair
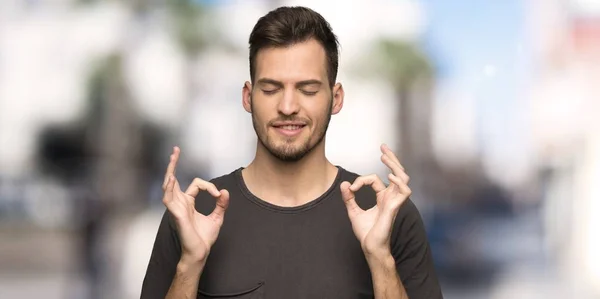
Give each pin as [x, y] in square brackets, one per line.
[286, 26]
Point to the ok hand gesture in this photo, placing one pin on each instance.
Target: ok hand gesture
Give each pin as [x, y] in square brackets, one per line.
[373, 227]
[197, 232]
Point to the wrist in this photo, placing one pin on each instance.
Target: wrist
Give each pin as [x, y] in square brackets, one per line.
[380, 258]
[190, 261]
[376, 251]
[190, 268]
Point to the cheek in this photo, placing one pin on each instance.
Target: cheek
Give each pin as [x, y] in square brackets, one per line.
[259, 112]
[320, 114]
[259, 120]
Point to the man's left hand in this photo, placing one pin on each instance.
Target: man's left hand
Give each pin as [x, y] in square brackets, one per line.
[373, 227]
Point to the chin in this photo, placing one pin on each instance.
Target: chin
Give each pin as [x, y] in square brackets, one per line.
[289, 151]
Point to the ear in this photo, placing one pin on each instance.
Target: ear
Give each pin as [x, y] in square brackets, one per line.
[338, 98]
[247, 96]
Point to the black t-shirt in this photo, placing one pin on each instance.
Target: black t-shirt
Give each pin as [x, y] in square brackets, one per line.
[308, 251]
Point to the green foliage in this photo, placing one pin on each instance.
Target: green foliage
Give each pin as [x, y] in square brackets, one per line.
[189, 25]
[401, 62]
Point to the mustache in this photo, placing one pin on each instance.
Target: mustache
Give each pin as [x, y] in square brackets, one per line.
[290, 119]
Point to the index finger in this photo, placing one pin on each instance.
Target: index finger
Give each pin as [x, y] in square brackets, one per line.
[198, 184]
[370, 180]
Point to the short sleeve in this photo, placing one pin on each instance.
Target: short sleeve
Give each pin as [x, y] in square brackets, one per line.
[412, 254]
[163, 260]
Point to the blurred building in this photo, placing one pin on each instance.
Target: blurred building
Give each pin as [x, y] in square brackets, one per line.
[564, 107]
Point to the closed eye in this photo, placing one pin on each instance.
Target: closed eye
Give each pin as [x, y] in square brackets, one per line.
[270, 91]
[309, 93]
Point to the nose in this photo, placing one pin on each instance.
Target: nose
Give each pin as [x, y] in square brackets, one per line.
[288, 104]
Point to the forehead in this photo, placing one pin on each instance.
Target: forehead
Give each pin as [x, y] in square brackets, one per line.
[301, 61]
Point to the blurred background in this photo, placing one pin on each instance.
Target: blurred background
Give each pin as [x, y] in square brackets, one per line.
[490, 105]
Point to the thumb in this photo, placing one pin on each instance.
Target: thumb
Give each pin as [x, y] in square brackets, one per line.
[349, 199]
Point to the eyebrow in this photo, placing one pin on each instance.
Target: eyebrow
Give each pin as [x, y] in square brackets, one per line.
[280, 84]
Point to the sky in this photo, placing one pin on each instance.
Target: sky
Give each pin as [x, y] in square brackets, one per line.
[480, 49]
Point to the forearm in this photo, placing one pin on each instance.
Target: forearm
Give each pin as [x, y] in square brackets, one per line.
[386, 282]
[185, 282]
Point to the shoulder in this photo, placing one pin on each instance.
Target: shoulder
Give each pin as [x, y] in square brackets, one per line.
[227, 180]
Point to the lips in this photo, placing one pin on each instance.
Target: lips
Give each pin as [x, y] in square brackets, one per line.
[289, 129]
[289, 125]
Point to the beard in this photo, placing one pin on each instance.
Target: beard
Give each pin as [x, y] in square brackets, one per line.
[287, 150]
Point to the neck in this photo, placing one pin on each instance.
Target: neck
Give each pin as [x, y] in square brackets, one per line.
[289, 183]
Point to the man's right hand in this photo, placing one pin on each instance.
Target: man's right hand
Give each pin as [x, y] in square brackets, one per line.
[197, 232]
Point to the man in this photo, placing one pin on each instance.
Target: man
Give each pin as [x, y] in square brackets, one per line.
[291, 224]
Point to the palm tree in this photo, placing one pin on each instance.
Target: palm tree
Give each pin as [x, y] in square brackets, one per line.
[410, 73]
